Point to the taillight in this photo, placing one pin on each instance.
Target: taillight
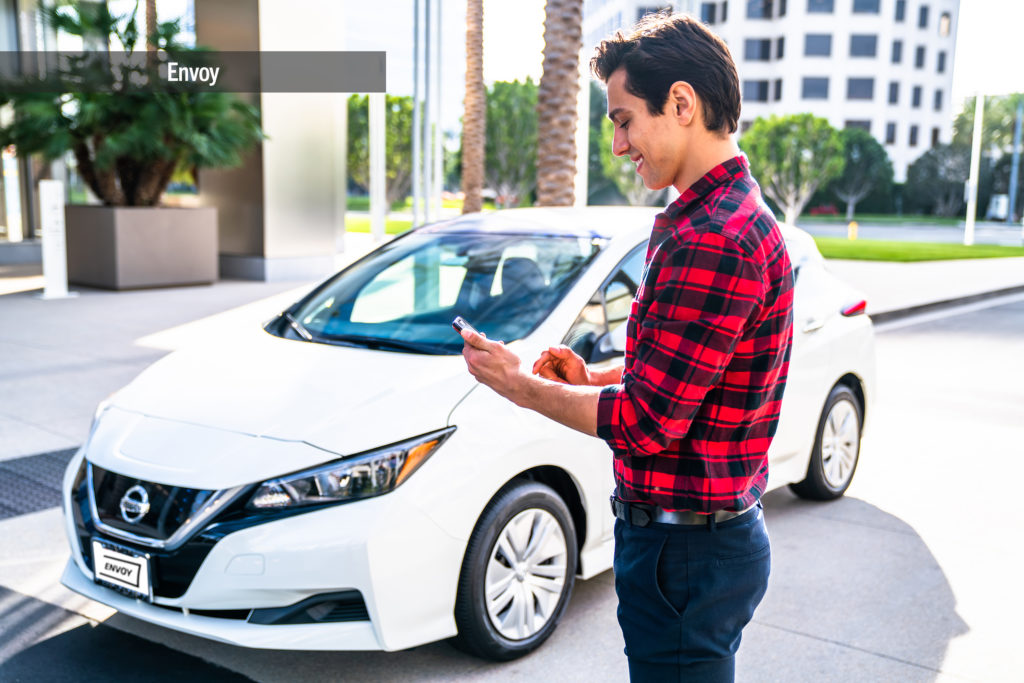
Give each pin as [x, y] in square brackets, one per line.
[855, 309]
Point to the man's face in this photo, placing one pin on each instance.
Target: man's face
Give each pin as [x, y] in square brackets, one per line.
[656, 144]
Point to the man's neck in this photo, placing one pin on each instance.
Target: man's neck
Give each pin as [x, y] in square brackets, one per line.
[708, 151]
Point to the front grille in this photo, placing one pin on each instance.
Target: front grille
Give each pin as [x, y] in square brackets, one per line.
[169, 506]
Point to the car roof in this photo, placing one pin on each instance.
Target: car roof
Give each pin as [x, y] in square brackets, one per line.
[605, 222]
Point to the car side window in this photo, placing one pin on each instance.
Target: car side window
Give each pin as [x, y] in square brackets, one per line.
[609, 307]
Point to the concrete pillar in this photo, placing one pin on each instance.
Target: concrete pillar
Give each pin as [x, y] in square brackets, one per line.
[278, 212]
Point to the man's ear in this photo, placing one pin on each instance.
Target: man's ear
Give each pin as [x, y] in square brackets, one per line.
[682, 102]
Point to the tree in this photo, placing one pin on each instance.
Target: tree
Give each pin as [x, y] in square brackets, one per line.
[127, 143]
[791, 156]
[622, 172]
[474, 118]
[511, 140]
[997, 125]
[867, 167]
[398, 151]
[556, 108]
[935, 182]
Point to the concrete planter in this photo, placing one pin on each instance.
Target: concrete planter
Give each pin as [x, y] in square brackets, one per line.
[128, 247]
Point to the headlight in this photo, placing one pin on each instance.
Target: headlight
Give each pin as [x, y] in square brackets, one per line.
[359, 476]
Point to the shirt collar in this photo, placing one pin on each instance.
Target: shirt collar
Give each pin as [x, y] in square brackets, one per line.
[730, 169]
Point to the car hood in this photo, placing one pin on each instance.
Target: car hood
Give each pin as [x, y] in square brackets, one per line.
[289, 405]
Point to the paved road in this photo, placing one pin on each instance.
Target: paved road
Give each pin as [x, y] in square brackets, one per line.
[913, 576]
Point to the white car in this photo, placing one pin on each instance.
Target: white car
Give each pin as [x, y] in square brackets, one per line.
[336, 480]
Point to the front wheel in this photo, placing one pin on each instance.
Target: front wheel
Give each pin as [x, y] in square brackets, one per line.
[518, 573]
[836, 448]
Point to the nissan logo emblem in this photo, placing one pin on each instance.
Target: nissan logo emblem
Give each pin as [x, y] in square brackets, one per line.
[134, 504]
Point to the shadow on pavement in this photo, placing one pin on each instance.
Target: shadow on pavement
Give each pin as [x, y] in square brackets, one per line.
[88, 652]
[855, 594]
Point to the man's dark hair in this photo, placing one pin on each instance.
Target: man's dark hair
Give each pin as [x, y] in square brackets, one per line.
[664, 48]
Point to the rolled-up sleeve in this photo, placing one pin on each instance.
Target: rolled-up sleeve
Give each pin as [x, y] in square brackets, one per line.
[706, 293]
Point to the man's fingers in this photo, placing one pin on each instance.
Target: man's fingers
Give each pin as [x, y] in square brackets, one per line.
[476, 340]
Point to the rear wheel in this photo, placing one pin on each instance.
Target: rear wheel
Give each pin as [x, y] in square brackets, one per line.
[518, 573]
[836, 448]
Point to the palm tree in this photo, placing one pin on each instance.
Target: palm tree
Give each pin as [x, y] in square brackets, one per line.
[474, 120]
[556, 102]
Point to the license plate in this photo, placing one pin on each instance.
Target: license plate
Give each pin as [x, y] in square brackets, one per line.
[122, 569]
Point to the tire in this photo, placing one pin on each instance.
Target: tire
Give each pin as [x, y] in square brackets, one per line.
[538, 579]
[836, 449]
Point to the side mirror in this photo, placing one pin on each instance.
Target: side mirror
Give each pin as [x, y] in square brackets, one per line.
[610, 345]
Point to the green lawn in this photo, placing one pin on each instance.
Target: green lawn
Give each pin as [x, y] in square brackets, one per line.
[357, 203]
[362, 224]
[878, 250]
[883, 219]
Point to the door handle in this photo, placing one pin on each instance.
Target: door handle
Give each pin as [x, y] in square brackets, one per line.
[813, 325]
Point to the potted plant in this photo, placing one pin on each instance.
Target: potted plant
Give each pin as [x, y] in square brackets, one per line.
[128, 141]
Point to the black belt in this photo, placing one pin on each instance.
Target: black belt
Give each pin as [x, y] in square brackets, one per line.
[644, 514]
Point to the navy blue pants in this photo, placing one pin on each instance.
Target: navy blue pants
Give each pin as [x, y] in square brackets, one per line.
[685, 594]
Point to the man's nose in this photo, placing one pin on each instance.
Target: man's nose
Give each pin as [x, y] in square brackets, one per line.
[620, 143]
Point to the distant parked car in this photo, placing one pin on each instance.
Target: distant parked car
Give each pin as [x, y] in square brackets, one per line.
[336, 480]
[824, 210]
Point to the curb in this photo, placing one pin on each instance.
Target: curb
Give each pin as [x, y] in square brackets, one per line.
[899, 313]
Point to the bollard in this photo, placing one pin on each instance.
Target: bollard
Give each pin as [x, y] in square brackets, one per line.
[851, 230]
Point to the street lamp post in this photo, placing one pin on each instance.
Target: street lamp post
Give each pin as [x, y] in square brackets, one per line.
[972, 182]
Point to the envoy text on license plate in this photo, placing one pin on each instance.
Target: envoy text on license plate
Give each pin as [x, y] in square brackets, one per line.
[121, 568]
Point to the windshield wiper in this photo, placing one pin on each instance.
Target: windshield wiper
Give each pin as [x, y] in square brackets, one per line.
[385, 343]
[297, 326]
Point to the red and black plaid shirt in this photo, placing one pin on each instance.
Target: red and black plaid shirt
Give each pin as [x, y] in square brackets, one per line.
[707, 352]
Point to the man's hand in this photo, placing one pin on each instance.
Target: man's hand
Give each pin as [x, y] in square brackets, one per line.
[492, 364]
[562, 364]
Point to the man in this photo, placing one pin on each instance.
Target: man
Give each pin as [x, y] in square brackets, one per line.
[691, 415]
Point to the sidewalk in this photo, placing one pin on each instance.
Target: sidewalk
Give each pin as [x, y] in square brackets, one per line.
[60, 358]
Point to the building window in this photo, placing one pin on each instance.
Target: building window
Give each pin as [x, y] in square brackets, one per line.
[922, 17]
[725, 11]
[865, 6]
[913, 136]
[707, 12]
[755, 91]
[759, 9]
[820, 6]
[935, 137]
[945, 24]
[818, 45]
[894, 92]
[915, 98]
[757, 49]
[778, 89]
[937, 104]
[890, 133]
[863, 45]
[782, 8]
[814, 88]
[901, 10]
[780, 47]
[897, 51]
[942, 62]
[745, 126]
[862, 124]
[860, 88]
[919, 57]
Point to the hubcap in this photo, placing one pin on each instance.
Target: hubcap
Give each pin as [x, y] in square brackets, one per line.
[525, 574]
[840, 441]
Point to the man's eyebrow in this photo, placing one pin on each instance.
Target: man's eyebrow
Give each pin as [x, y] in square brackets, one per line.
[615, 112]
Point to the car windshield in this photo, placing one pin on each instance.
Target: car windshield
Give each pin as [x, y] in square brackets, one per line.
[404, 296]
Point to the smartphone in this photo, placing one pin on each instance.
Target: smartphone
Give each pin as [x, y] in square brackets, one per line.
[460, 324]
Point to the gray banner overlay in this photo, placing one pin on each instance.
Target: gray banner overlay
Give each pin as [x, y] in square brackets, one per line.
[193, 71]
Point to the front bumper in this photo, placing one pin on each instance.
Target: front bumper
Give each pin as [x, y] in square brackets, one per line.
[387, 549]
